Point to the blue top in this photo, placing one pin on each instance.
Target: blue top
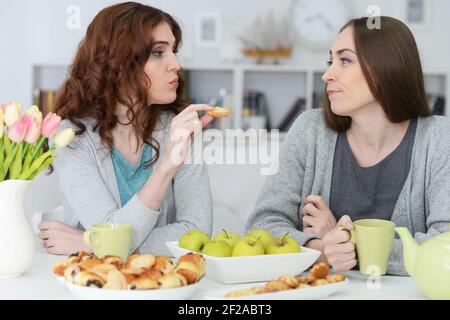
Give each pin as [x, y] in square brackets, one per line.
[130, 178]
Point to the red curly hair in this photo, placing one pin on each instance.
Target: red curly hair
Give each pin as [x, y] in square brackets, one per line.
[109, 69]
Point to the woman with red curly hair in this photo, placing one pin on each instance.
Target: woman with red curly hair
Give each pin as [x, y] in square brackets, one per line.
[124, 99]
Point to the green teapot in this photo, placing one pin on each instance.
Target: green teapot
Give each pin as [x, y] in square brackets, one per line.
[429, 263]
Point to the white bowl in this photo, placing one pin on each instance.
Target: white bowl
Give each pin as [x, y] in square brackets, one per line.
[89, 293]
[318, 292]
[252, 268]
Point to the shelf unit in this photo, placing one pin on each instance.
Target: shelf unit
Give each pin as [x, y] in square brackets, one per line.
[282, 84]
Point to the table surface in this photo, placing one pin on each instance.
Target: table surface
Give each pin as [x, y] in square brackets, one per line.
[40, 283]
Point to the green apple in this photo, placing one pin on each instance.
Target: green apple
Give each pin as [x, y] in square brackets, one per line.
[194, 240]
[284, 244]
[248, 246]
[218, 248]
[229, 237]
[265, 236]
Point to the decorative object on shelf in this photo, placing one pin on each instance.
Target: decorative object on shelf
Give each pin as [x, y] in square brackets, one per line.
[45, 99]
[208, 29]
[418, 13]
[317, 25]
[268, 39]
[255, 110]
[22, 156]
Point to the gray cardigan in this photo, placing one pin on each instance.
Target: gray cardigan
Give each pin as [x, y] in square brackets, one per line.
[306, 162]
[90, 195]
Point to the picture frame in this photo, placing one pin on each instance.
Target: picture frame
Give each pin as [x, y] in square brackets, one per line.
[208, 29]
[417, 13]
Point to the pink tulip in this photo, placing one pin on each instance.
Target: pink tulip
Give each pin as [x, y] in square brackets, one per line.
[50, 124]
[33, 132]
[17, 131]
[3, 106]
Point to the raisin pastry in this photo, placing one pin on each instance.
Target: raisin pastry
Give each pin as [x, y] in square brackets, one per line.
[335, 278]
[191, 266]
[172, 280]
[71, 272]
[115, 261]
[164, 264]
[102, 270]
[219, 112]
[115, 280]
[143, 283]
[144, 261]
[88, 279]
[88, 264]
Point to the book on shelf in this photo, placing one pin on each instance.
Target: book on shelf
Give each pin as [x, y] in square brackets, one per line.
[45, 100]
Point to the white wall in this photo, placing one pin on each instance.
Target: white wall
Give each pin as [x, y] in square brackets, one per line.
[35, 32]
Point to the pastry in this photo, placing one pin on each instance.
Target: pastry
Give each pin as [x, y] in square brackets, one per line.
[87, 264]
[144, 261]
[71, 272]
[172, 280]
[102, 270]
[219, 112]
[143, 283]
[88, 279]
[115, 280]
[291, 281]
[319, 270]
[164, 264]
[116, 261]
[276, 285]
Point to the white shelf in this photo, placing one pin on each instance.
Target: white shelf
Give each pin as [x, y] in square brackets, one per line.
[282, 84]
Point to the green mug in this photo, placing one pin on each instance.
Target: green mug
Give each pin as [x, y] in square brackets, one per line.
[373, 240]
[109, 239]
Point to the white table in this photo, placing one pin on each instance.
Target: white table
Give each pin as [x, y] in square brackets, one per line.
[40, 283]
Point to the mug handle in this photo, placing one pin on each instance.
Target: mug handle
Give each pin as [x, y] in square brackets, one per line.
[91, 238]
[352, 238]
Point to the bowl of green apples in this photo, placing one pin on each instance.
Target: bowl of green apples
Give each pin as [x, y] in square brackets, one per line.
[256, 256]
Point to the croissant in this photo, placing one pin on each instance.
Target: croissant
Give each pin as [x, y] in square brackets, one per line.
[219, 112]
[87, 264]
[144, 261]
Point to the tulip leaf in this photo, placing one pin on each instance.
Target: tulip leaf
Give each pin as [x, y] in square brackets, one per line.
[36, 164]
[43, 166]
[17, 164]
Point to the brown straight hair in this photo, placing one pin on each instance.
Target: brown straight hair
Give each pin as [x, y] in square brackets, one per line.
[391, 65]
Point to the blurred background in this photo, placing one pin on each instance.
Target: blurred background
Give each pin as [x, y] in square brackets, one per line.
[262, 58]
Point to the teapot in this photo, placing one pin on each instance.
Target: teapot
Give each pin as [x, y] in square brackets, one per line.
[429, 263]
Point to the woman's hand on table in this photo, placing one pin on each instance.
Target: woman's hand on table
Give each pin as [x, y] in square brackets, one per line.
[317, 217]
[339, 252]
[58, 238]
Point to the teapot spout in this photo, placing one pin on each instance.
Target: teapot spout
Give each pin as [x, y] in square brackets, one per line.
[410, 249]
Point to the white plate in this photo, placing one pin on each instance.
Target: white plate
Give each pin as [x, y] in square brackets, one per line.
[88, 293]
[61, 280]
[318, 292]
[252, 268]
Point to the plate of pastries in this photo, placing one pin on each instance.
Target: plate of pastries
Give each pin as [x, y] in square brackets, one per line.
[140, 277]
[316, 284]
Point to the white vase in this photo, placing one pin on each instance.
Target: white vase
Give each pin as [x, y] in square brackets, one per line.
[17, 241]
